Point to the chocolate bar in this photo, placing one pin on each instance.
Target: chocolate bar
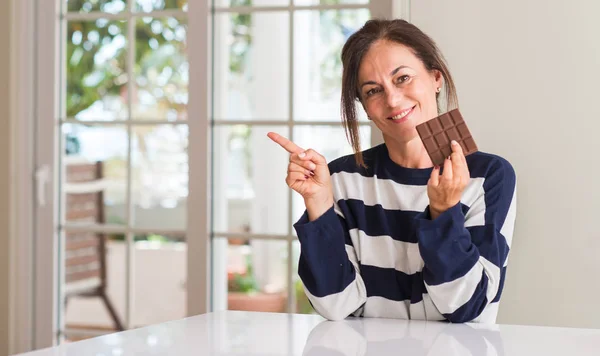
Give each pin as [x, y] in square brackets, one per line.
[438, 132]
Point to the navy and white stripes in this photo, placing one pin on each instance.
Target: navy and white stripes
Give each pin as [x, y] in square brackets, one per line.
[377, 253]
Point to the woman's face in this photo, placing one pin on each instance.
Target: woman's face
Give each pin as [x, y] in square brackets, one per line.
[396, 90]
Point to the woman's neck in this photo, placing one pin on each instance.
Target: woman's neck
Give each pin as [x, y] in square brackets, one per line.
[408, 154]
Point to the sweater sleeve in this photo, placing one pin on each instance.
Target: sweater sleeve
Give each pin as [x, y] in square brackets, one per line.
[465, 249]
[328, 266]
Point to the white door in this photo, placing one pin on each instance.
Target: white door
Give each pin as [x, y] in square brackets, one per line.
[121, 188]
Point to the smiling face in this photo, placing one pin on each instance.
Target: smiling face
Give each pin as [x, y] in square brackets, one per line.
[396, 90]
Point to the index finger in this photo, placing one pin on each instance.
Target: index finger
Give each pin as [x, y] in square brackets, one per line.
[285, 143]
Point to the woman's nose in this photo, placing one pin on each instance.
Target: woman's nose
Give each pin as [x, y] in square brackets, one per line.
[394, 95]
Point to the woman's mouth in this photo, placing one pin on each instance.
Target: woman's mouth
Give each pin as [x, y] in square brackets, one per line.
[401, 116]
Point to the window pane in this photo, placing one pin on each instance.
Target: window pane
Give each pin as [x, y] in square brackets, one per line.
[154, 5]
[160, 176]
[159, 293]
[331, 142]
[95, 174]
[249, 190]
[251, 66]
[161, 69]
[95, 70]
[88, 256]
[250, 275]
[110, 6]
[318, 40]
[228, 3]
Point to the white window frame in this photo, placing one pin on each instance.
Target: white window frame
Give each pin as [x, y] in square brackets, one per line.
[45, 93]
[35, 300]
[21, 286]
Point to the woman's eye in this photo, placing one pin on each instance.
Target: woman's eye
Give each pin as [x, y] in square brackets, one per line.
[403, 78]
[372, 91]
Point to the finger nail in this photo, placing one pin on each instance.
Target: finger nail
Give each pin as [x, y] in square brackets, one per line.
[312, 173]
[312, 166]
[454, 143]
[302, 154]
[305, 177]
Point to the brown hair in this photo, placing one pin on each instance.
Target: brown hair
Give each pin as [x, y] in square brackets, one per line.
[399, 31]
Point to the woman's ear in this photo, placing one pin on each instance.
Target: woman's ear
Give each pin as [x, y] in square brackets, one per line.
[438, 78]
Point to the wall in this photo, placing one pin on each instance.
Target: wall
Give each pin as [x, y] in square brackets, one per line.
[5, 171]
[527, 75]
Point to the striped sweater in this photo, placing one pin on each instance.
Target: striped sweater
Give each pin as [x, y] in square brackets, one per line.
[377, 253]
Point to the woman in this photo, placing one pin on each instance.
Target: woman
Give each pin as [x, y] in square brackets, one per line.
[386, 234]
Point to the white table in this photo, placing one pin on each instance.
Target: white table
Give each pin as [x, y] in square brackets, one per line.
[245, 333]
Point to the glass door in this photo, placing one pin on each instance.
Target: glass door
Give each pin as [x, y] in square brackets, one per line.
[122, 163]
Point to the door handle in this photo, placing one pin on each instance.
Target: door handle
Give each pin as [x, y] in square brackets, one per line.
[42, 176]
